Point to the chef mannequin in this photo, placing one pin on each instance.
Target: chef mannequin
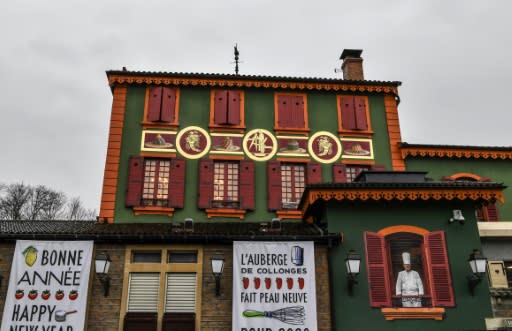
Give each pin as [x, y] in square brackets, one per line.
[409, 284]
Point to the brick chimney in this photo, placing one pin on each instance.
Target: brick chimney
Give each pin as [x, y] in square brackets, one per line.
[352, 65]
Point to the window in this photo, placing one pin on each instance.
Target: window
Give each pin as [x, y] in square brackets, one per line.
[428, 257]
[227, 109]
[353, 171]
[155, 185]
[353, 115]
[225, 184]
[286, 182]
[161, 295]
[291, 112]
[162, 105]
[226, 188]
[292, 184]
[347, 173]
[485, 212]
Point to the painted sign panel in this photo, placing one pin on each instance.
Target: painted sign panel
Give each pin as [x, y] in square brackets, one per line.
[227, 143]
[193, 142]
[259, 145]
[324, 147]
[290, 146]
[158, 141]
[357, 148]
[48, 286]
[274, 286]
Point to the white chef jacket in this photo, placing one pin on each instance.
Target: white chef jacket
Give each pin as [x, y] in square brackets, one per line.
[409, 283]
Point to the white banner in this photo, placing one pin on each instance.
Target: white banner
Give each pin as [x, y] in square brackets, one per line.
[48, 286]
[274, 286]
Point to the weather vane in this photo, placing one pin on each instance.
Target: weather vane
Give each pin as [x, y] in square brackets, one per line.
[236, 59]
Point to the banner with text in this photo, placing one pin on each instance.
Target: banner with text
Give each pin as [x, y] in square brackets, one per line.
[48, 286]
[274, 286]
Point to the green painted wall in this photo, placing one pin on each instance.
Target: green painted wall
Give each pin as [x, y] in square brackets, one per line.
[259, 113]
[497, 170]
[353, 219]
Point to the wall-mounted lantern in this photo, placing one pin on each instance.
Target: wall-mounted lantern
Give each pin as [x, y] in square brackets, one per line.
[102, 263]
[478, 264]
[217, 268]
[353, 264]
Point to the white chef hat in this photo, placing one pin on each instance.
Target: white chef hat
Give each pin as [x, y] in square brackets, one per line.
[406, 257]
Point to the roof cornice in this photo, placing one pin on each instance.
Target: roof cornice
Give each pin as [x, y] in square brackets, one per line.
[459, 152]
[399, 193]
[234, 81]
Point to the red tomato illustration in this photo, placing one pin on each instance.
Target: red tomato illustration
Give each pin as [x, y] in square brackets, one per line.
[245, 281]
[19, 294]
[59, 295]
[301, 283]
[257, 282]
[73, 295]
[45, 294]
[279, 283]
[32, 294]
[268, 283]
[289, 282]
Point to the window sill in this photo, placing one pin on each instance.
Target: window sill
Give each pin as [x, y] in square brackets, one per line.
[160, 125]
[357, 133]
[304, 131]
[225, 212]
[227, 128]
[153, 210]
[294, 214]
[391, 314]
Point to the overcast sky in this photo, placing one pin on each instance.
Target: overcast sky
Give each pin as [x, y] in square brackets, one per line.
[453, 58]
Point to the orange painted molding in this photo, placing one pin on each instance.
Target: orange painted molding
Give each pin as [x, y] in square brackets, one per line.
[114, 79]
[290, 214]
[153, 210]
[413, 193]
[413, 313]
[397, 161]
[225, 212]
[455, 152]
[226, 157]
[111, 172]
[403, 228]
[464, 175]
[359, 162]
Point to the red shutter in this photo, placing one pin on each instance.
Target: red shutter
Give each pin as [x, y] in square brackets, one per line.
[492, 212]
[296, 112]
[247, 185]
[274, 185]
[135, 181]
[168, 105]
[283, 111]
[376, 265]
[177, 183]
[205, 183]
[348, 118]
[154, 104]
[360, 112]
[220, 110]
[233, 114]
[440, 277]
[314, 175]
[339, 173]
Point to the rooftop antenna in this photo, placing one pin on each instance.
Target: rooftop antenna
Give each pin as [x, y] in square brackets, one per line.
[236, 59]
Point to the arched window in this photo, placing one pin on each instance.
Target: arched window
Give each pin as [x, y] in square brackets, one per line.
[428, 257]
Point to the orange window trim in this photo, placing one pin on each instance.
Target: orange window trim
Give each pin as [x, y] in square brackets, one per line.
[226, 157]
[279, 129]
[403, 228]
[368, 132]
[434, 313]
[359, 162]
[148, 125]
[217, 127]
[465, 175]
[289, 214]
